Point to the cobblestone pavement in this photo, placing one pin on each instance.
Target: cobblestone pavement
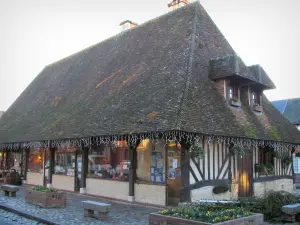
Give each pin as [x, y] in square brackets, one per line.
[121, 213]
[11, 218]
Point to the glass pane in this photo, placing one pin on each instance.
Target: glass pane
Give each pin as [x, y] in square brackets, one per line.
[35, 161]
[151, 162]
[107, 162]
[65, 161]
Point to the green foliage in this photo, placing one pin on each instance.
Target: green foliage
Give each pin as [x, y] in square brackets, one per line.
[285, 157]
[221, 187]
[210, 213]
[17, 180]
[43, 189]
[275, 135]
[197, 151]
[270, 205]
[268, 168]
[239, 151]
[251, 132]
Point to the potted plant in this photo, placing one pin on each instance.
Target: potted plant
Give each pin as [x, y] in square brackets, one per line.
[266, 169]
[235, 102]
[45, 197]
[286, 161]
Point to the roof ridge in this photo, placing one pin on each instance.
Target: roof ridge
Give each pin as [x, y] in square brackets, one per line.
[124, 32]
[189, 71]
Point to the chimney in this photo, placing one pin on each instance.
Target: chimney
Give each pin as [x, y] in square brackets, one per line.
[175, 4]
[127, 25]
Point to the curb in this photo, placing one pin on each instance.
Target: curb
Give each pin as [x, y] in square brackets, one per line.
[26, 215]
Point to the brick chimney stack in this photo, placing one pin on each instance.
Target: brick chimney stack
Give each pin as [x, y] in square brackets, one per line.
[175, 4]
[127, 25]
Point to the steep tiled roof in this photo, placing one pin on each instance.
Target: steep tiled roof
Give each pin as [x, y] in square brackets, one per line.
[1, 113]
[158, 70]
[290, 108]
[262, 77]
[230, 65]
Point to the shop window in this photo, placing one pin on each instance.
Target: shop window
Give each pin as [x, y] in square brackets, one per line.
[35, 161]
[266, 160]
[150, 162]
[296, 163]
[17, 161]
[7, 160]
[65, 161]
[109, 162]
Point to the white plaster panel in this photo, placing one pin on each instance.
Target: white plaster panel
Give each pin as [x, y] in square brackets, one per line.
[206, 193]
[152, 194]
[107, 188]
[34, 178]
[277, 185]
[63, 182]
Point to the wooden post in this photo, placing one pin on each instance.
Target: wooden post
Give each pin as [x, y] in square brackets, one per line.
[132, 154]
[26, 155]
[185, 174]
[51, 162]
[76, 172]
[84, 167]
[44, 164]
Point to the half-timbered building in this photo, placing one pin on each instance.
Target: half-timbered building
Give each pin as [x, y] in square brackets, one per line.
[163, 112]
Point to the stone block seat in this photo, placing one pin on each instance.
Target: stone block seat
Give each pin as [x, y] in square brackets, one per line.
[10, 190]
[96, 210]
[290, 212]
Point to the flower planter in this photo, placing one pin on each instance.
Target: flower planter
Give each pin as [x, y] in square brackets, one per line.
[158, 219]
[257, 108]
[46, 199]
[235, 103]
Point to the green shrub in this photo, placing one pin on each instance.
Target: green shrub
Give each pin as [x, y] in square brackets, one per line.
[270, 205]
[17, 180]
[43, 189]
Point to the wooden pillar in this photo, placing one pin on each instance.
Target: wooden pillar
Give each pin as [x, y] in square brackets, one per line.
[7, 157]
[26, 157]
[21, 163]
[76, 186]
[80, 184]
[44, 165]
[132, 155]
[84, 168]
[51, 165]
[185, 173]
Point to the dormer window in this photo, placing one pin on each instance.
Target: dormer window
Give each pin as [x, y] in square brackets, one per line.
[256, 102]
[256, 99]
[234, 97]
[234, 92]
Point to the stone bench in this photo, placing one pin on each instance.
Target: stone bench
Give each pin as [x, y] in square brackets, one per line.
[290, 212]
[10, 190]
[96, 210]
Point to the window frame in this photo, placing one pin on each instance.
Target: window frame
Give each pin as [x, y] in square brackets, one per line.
[233, 92]
[265, 157]
[256, 98]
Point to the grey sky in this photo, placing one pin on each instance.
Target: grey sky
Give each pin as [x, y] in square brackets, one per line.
[35, 33]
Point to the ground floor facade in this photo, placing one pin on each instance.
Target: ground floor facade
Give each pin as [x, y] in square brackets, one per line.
[157, 172]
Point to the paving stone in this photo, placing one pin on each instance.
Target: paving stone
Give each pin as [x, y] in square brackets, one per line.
[15, 219]
[123, 214]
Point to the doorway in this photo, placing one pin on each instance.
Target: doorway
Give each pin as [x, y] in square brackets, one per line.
[245, 175]
[173, 175]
